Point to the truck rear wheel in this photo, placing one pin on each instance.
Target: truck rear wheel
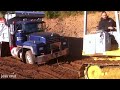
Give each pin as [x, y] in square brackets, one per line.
[30, 58]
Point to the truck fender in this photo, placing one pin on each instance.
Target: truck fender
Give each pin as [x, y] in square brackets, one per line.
[15, 51]
[29, 47]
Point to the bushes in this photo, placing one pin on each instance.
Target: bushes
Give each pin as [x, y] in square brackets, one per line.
[52, 14]
[56, 14]
[61, 14]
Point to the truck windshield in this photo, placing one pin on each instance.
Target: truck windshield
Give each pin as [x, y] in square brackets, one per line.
[33, 27]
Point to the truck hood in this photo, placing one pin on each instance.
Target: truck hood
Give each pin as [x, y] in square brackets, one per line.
[43, 37]
[44, 34]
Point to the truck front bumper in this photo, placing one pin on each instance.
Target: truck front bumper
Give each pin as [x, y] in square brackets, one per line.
[44, 58]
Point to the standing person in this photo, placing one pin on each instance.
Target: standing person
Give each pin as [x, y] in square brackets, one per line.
[106, 23]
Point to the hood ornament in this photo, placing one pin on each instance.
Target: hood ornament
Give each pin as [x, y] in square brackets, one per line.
[51, 34]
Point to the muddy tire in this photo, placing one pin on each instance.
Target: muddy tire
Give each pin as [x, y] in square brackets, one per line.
[29, 57]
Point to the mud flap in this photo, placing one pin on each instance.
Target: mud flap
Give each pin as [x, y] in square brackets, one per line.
[4, 49]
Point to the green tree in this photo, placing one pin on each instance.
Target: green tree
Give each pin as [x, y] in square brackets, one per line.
[52, 14]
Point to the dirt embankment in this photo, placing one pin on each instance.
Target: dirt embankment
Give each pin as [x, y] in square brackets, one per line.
[73, 26]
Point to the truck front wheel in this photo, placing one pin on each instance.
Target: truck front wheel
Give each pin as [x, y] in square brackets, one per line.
[30, 58]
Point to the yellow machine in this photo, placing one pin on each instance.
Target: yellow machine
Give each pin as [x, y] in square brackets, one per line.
[104, 50]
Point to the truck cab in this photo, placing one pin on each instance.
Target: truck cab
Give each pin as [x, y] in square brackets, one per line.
[28, 40]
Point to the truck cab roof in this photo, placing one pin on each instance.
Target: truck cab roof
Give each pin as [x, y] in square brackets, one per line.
[24, 14]
[19, 16]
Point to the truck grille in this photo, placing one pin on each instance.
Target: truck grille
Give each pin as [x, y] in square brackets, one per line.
[49, 42]
[53, 40]
[54, 47]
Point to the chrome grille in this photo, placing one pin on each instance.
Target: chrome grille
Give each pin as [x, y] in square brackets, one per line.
[53, 40]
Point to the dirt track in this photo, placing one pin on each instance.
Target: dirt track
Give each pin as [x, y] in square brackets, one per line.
[63, 70]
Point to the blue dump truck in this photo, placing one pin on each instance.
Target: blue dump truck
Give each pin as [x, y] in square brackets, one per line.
[22, 33]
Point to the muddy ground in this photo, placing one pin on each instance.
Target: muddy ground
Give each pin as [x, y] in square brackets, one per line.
[61, 68]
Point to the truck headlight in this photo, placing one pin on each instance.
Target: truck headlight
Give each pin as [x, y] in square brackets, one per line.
[41, 48]
[64, 43]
